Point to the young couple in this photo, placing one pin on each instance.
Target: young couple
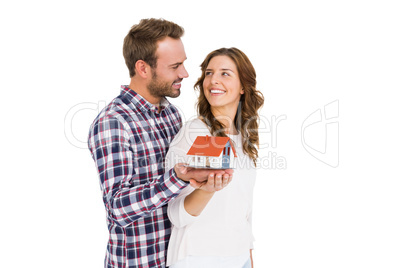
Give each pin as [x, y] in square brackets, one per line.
[161, 213]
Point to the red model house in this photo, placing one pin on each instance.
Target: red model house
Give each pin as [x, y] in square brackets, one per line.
[212, 152]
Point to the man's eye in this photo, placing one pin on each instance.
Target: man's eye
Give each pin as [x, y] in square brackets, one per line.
[175, 67]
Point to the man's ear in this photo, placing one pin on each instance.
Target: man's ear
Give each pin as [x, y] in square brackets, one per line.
[142, 69]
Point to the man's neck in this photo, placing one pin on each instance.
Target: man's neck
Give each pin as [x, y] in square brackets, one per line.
[141, 88]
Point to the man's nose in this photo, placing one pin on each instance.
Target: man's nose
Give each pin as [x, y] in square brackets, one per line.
[183, 72]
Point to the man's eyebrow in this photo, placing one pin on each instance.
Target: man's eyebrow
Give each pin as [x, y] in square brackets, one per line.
[177, 63]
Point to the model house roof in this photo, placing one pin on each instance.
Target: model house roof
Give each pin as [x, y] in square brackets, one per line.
[210, 146]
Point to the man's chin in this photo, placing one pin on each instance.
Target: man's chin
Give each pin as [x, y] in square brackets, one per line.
[174, 93]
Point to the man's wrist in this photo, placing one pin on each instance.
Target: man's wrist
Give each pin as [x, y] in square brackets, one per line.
[175, 174]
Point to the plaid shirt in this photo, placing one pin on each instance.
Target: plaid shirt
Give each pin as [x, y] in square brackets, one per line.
[128, 141]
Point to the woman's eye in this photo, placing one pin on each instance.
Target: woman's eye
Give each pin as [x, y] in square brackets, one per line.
[208, 73]
[225, 74]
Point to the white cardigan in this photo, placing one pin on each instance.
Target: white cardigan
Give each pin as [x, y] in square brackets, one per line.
[224, 227]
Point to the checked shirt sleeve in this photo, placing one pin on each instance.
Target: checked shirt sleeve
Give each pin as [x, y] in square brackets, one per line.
[126, 199]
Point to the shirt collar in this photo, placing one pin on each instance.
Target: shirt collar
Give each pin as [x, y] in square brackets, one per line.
[139, 101]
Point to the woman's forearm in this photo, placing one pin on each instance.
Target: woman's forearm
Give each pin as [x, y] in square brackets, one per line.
[251, 258]
[195, 202]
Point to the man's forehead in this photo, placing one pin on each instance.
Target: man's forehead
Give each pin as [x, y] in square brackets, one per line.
[170, 51]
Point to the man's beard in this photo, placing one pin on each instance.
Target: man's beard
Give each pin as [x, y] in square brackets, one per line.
[161, 88]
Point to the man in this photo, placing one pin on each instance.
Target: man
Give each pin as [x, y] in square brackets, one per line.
[128, 141]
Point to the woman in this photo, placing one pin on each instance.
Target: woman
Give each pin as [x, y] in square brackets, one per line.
[212, 228]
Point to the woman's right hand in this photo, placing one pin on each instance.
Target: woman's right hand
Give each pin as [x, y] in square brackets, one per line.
[216, 182]
[186, 173]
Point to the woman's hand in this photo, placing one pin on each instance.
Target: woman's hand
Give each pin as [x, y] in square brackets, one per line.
[199, 175]
[216, 182]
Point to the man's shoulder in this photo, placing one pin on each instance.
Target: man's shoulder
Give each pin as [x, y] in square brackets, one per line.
[172, 108]
[116, 114]
[118, 107]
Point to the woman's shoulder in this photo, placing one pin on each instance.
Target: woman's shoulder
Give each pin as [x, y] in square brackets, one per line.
[189, 132]
[195, 125]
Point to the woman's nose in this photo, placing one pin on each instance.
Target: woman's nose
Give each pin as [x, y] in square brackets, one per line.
[214, 80]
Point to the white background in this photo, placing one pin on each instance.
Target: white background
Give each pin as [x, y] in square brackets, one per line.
[61, 60]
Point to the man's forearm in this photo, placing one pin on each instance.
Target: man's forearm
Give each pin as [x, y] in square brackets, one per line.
[130, 202]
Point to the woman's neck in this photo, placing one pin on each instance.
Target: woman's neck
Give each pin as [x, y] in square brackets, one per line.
[226, 118]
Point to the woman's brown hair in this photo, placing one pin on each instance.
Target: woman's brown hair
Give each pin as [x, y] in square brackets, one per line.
[140, 42]
[247, 119]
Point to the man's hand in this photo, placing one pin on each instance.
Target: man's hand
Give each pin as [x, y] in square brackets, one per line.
[197, 175]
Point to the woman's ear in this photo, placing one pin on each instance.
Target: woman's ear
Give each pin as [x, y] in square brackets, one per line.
[142, 68]
[242, 91]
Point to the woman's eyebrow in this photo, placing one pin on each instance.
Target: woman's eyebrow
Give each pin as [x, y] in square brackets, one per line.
[226, 69]
[222, 69]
